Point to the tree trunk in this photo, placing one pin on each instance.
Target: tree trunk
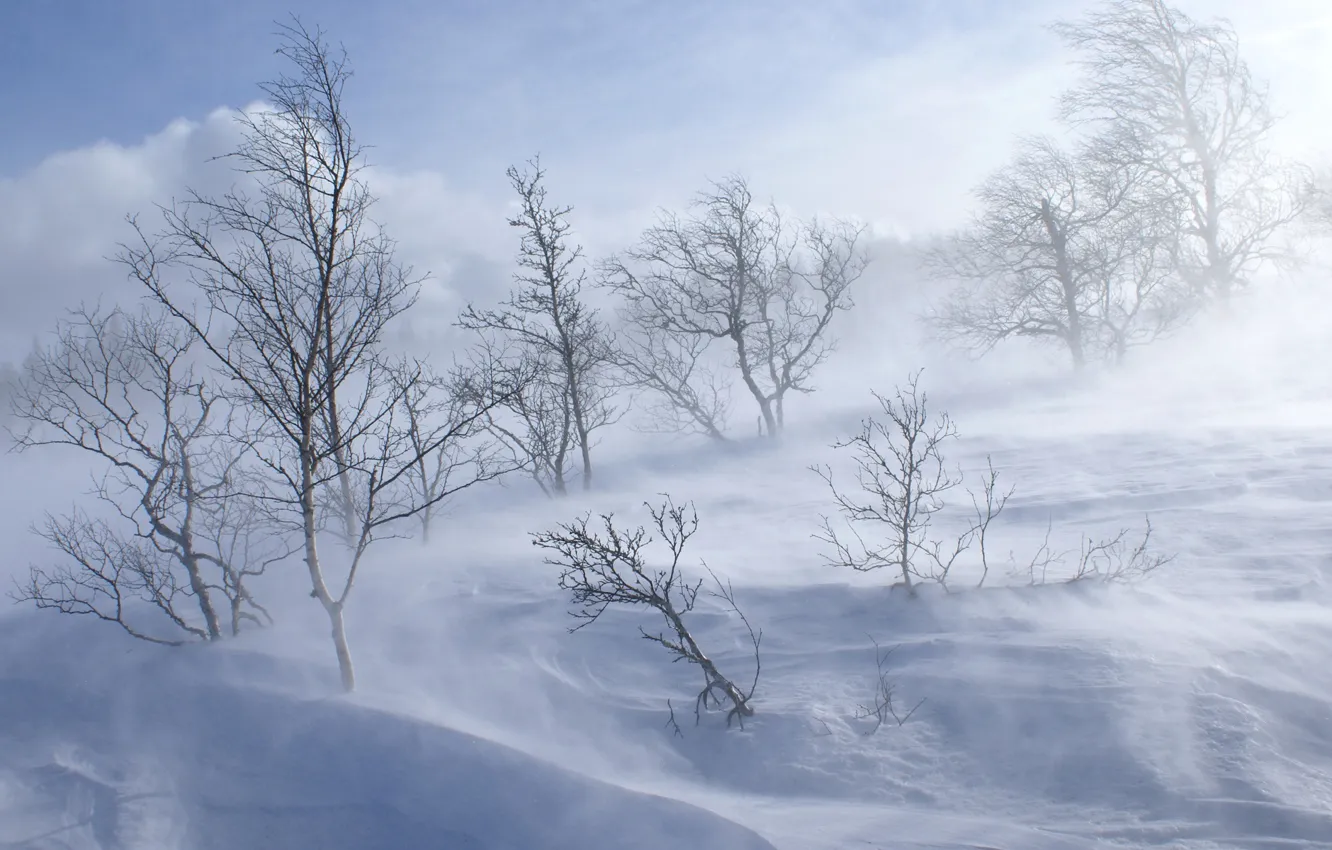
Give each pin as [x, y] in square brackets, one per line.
[1064, 271]
[747, 374]
[580, 428]
[573, 379]
[908, 509]
[335, 431]
[319, 589]
[189, 556]
[345, 667]
[1217, 275]
[560, 462]
[200, 588]
[711, 674]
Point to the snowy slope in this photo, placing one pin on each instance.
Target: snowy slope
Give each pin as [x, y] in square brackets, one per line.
[147, 752]
[1195, 711]
[1192, 711]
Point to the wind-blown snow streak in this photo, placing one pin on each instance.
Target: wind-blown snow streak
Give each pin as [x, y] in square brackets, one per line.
[1194, 711]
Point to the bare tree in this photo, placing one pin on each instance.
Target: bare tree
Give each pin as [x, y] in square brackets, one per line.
[1140, 295]
[535, 421]
[299, 285]
[1063, 251]
[676, 386]
[547, 324]
[900, 467]
[735, 272]
[444, 440]
[883, 707]
[605, 568]
[178, 534]
[1115, 560]
[1173, 96]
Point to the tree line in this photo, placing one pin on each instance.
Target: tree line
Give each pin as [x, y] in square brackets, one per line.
[1166, 198]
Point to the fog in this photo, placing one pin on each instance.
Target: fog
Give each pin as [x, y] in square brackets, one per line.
[1189, 707]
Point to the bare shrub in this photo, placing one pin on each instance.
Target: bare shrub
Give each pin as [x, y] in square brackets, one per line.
[610, 567]
[1108, 560]
[883, 707]
[902, 480]
[1037, 569]
[1117, 559]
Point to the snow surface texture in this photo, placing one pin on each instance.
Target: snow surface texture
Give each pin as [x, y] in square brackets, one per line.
[1191, 711]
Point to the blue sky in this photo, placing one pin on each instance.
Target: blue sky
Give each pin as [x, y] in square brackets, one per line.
[465, 79]
[889, 111]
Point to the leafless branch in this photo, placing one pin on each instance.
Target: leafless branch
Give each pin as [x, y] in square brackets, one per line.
[1116, 560]
[883, 707]
[609, 567]
[122, 389]
[732, 274]
[557, 339]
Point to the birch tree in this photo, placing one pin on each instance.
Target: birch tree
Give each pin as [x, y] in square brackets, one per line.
[564, 347]
[1175, 98]
[298, 285]
[170, 549]
[734, 273]
[1067, 249]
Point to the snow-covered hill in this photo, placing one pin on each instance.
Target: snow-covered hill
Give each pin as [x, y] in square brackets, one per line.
[1191, 711]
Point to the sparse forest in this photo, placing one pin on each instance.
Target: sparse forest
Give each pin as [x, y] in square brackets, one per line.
[586, 428]
[249, 416]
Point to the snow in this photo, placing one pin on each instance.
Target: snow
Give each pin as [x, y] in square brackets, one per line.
[1193, 710]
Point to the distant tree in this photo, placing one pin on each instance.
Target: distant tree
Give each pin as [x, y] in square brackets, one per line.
[9, 381]
[176, 530]
[298, 286]
[561, 344]
[444, 438]
[1322, 205]
[1066, 249]
[735, 273]
[1173, 97]
[534, 424]
[1140, 295]
[678, 389]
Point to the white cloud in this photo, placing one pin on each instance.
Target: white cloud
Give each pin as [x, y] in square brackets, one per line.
[897, 139]
[67, 216]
